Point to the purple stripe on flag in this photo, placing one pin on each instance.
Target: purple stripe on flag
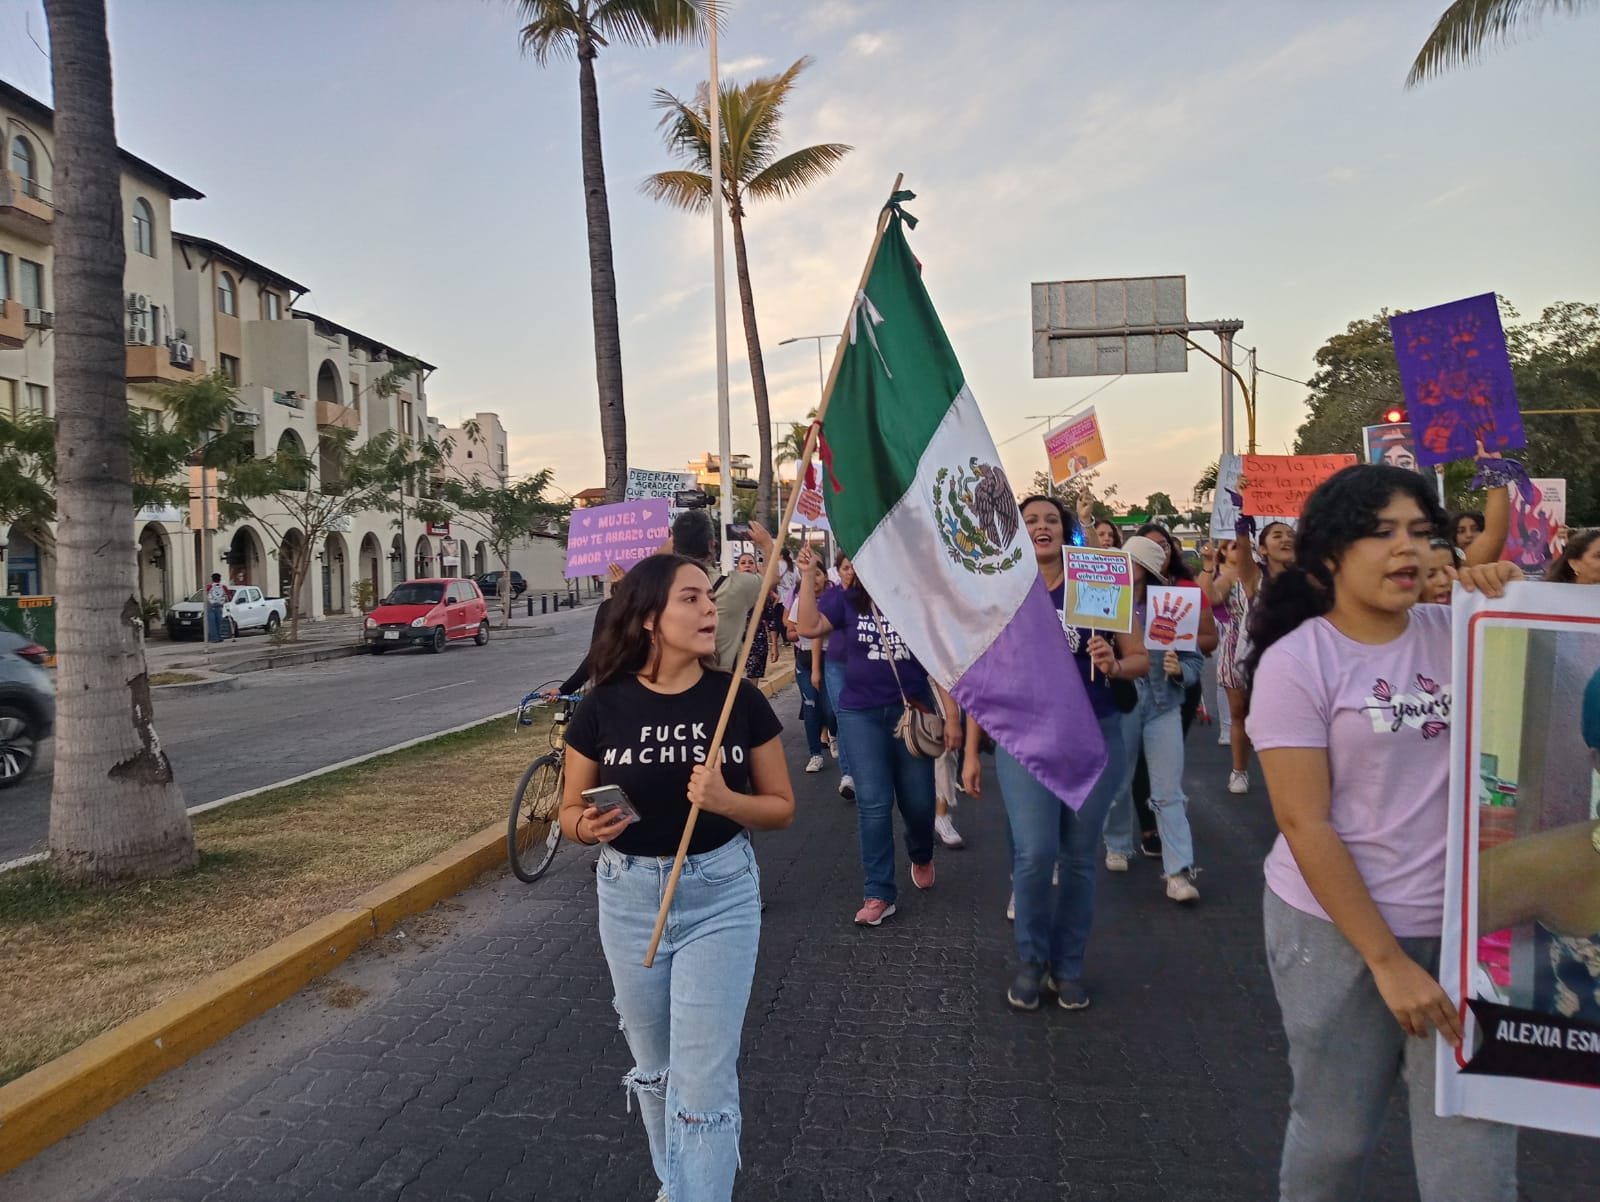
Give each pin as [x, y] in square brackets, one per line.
[1027, 693]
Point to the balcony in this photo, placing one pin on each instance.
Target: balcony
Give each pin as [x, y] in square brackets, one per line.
[331, 415]
[155, 365]
[25, 208]
[13, 333]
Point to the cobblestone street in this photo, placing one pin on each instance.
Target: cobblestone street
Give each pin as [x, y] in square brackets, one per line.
[878, 1064]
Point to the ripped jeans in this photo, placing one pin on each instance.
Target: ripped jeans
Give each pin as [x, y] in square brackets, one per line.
[683, 1017]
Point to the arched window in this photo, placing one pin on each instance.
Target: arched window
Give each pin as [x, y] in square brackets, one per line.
[227, 295]
[25, 165]
[144, 228]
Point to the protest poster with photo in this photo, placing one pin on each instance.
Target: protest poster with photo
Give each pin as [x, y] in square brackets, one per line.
[1457, 379]
[1281, 483]
[1521, 949]
[1533, 540]
[1392, 444]
[1099, 589]
[1171, 618]
[1074, 447]
[623, 534]
[1225, 512]
[644, 484]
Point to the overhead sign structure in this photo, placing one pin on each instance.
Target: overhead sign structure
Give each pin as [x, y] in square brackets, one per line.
[1109, 327]
[1075, 447]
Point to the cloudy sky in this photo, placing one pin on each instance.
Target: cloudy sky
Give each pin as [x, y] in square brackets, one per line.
[404, 159]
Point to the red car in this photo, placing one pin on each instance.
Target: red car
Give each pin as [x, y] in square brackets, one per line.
[428, 613]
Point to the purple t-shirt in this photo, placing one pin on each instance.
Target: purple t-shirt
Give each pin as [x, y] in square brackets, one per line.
[835, 648]
[1383, 715]
[869, 681]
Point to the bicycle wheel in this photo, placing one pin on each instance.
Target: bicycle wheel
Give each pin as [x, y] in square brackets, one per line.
[533, 832]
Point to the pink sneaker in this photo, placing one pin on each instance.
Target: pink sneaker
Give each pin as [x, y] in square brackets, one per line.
[922, 875]
[873, 911]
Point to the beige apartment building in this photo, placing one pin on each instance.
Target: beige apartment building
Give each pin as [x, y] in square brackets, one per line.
[483, 460]
[192, 304]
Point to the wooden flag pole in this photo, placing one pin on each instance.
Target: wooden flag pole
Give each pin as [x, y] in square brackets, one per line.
[768, 579]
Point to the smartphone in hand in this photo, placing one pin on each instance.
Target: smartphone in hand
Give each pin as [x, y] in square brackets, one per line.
[605, 798]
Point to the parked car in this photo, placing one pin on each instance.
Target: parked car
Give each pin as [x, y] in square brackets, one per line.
[489, 584]
[27, 706]
[247, 609]
[428, 613]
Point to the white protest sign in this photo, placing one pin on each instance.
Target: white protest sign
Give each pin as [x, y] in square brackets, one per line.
[1172, 619]
[645, 485]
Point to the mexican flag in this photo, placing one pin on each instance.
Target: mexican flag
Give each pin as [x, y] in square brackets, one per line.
[919, 502]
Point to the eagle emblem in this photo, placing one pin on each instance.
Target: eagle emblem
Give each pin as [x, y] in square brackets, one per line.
[978, 517]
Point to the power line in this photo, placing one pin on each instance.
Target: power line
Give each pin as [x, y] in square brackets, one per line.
[1090, 396]
[1365, 396]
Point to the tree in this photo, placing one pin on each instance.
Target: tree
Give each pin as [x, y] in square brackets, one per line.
[752, 117]
[1068, 493]
[1158, 505]
[286, 496]
[503, 514]
[115, 811]
[1355, 381]
[578, 29]
[1468, 27]
[793, 444]
[27, 470]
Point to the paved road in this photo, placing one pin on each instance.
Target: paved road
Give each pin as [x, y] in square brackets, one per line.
[287, 721]
[485, 1064]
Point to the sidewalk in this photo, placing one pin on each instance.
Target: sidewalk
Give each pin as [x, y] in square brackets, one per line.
[878, 1064]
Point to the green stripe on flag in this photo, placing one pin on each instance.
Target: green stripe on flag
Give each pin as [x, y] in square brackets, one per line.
[896, 382]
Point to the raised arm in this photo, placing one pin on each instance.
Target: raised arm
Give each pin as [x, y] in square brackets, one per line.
[1489, 545]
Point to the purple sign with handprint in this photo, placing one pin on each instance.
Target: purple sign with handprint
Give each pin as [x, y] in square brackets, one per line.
[1457, 379]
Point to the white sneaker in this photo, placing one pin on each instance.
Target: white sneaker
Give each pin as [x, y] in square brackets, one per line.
[1225, 739]
[1181, 889]
[847, 788]
[1011, 908]
[833, 747]
[814, 764]
[1116, 861]
[946, 830]
[1238, 782]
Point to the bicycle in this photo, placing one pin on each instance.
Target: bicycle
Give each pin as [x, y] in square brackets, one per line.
[538, 796]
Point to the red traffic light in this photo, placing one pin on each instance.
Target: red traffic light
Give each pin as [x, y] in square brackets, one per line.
[1393, 417]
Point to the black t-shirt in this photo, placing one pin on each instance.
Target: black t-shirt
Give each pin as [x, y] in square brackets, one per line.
[648, 743]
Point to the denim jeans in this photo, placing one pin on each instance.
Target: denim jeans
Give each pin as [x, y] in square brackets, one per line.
[833, 685]
[1045, 831]
[815, 711]
[214, 623]
[887, 774]
[1346, 1051]
[1159, 734]
[683, 1017]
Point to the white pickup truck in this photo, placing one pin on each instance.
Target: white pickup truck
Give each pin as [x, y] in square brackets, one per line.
[247, 609]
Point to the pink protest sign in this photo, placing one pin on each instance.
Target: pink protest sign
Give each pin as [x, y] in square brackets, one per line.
[624, 534]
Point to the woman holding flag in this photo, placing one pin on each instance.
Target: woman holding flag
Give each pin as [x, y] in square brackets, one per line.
[1052, 932]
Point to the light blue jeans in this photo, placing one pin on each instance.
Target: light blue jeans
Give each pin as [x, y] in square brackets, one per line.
[683, 1017]
[1046, 831]
[833, 682]
[886, 775]
[1160, 732]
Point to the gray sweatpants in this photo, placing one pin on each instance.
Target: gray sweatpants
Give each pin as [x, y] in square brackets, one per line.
[1346, 1051]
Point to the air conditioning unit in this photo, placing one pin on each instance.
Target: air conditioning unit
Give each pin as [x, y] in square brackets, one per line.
[138, 302]
[138, 327]
[39, 319]
[182, 354]
[243, 417]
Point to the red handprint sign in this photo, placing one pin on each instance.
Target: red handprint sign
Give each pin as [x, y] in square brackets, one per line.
[1172, 617]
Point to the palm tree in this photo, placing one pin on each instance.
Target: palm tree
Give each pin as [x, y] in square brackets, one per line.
[115, 811]
[578, 29]
[1467, 27]
[752, 116]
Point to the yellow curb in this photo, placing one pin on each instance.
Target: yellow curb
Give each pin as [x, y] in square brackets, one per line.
[55, 1099]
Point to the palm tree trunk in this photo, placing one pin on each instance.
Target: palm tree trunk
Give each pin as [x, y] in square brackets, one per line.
[758, 368]
[115, 811]
[602, 285]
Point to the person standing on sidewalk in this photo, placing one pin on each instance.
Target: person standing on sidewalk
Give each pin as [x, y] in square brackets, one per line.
[833, 654]
[881, 678]
[815, 711]
[646, 727]
[216, 601]
[1053, 920]
[1350, 712]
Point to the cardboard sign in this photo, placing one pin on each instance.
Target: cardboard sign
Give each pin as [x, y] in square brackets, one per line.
[1224, 513]
[1521, 915]
[1531, 543]
[624, 533]
[1281, 483]
[1457, 379]
[1172, 619]
[1099, 589]
[1391, 444]
[644, 485]
[1075, 447]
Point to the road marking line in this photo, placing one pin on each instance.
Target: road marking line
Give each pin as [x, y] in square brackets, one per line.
[439, 689]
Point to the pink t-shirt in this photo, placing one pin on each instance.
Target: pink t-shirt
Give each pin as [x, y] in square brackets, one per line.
[1383, 714]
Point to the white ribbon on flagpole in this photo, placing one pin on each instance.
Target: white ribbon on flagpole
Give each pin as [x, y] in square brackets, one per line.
[872, 318]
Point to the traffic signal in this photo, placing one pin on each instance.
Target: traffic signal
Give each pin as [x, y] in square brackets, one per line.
[1394, 415]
